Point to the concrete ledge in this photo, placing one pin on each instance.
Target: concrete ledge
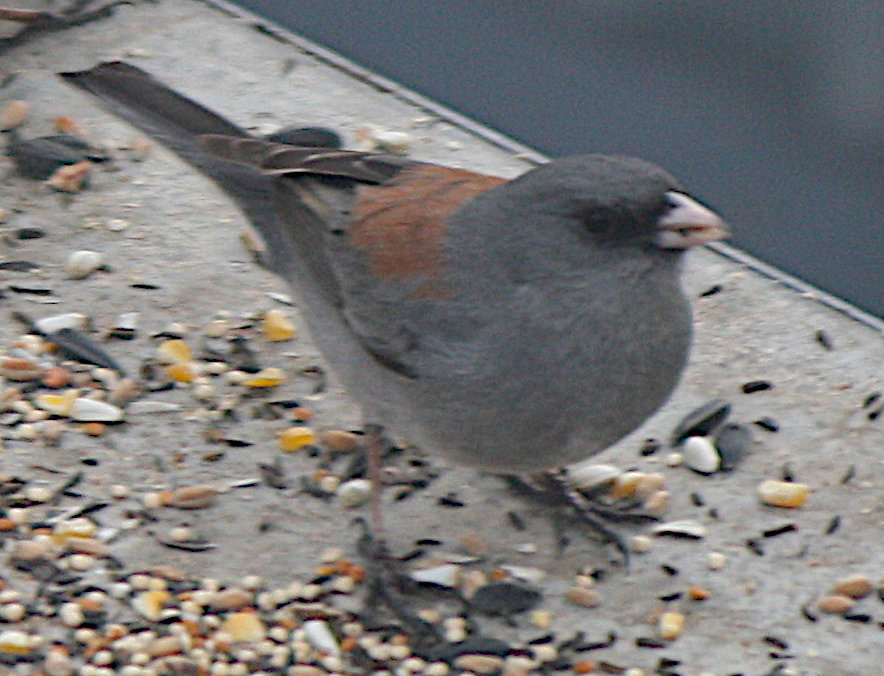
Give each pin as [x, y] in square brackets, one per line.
[182, 235]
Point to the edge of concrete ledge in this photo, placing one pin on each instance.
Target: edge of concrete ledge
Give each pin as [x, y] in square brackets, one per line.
[504, 142]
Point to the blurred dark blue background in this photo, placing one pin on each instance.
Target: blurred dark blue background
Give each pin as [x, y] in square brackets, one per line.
[770, 111]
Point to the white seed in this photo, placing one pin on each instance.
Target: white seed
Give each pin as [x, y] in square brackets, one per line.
[86, 409]
[80, 562]
[701, 455]
[544, 652]
[12, 612]
[671, 625]
[81, 264]
[673, 459]
[640, 543]
[119, 491]
[685, 527]
[479, 663]
[320, 637]
[37, 493]
[181, 534]
[69, 320]
[525, 573]
[715, 560]
[586, 477]
[71, 614]
[436, 669]
[329, 483]
[541, 618]
[445, 575]
[657, 502]
[353, 493]
[526, 548]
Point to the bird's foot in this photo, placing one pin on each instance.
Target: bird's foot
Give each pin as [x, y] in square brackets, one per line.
[553, 489]
[388, 588]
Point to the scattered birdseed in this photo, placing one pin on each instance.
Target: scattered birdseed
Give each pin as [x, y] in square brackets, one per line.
[824, 339]
[685, 528]
[640, 543]
[854, 586]
[81, 264]
[198, 496]
[700, 455]
[269, 377]
[277, 326]
[671, 625]
[295, 438]
[585, 477]
[836, 604]
[70, 178]
[479, 664]
[782, 493]
[780, 530]
[582, 596]
[13, 113]
[732, 441]
[768, 424]
[701, 421]
[756, 386]
[833, 525]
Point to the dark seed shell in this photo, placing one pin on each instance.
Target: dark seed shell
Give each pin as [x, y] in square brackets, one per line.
[871, 399]
[77, 345]
[768, 424]
[18, 266]
[504, 598]
[776, 642]
[29, 233]
[475, 643]
[834, 525]
[38, 158]
[756, 386]
[780, 530]
[824, 339]
[701, 421]
[733, 442]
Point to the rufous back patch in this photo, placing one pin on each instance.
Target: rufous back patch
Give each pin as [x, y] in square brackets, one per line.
[401, 224]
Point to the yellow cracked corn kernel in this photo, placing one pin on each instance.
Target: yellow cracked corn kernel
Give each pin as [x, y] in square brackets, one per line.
[294, 438]
[277, 326]
[269, 377]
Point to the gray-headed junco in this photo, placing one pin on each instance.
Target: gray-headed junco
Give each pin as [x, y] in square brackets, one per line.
[509, 325]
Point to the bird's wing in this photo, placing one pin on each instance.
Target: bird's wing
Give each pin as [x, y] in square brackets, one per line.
[367, 228]
[371, 229]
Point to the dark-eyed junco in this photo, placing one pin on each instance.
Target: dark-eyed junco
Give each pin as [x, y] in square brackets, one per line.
[509, 325]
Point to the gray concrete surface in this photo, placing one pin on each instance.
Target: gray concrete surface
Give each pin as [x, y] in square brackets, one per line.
[183, 235]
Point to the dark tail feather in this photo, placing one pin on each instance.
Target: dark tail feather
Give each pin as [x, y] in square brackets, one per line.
[177, 122]
[136, 96]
